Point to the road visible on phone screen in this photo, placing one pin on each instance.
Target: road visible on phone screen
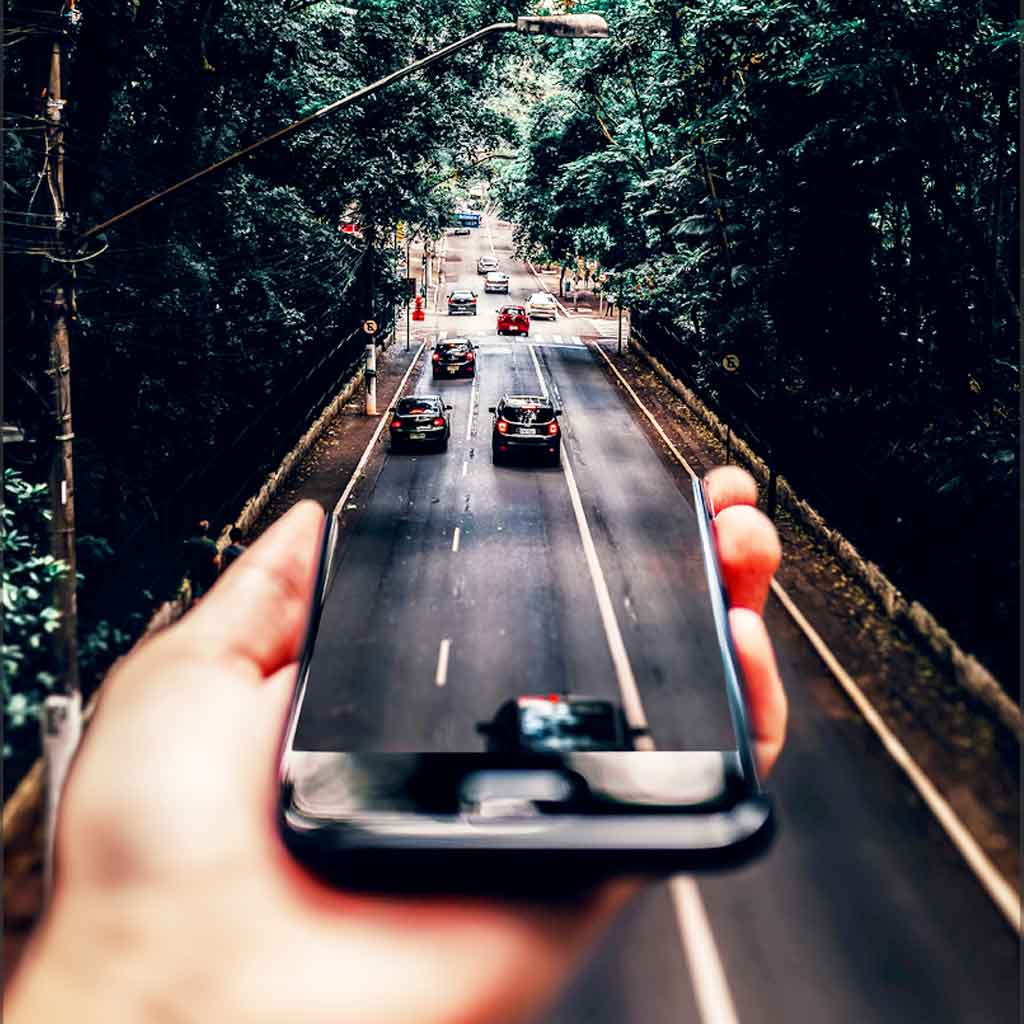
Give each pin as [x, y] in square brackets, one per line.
[460, 584]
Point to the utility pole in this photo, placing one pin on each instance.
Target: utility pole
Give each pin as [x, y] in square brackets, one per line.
[59, 302]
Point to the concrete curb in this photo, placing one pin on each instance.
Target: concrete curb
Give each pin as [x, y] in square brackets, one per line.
[911, 615]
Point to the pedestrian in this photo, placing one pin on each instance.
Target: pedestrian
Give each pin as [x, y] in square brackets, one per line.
[233, 550]
[201, 559]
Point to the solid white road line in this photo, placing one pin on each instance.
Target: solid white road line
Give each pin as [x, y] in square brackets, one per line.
[472, 403]
[536, 366]
[361, 465]
[441, 675]
[711, 989]
[998, 888]
[465, 468]
[455, 537]
[490, 235]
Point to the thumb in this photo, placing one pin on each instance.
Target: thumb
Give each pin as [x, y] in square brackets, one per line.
[256, 612]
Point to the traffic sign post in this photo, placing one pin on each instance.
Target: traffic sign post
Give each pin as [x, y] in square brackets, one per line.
[371, 374]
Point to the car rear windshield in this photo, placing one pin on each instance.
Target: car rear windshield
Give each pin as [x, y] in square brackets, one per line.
[513, 311]
[528, 413]
[462, 296]
[453, 348]
[548, 722]
[414, 406]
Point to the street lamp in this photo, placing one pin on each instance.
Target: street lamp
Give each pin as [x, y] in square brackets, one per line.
[566, 26]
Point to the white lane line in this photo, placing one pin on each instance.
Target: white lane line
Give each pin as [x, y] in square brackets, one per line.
[472, 403]
[714, 1001]
[536, 366]
[1001, 892]
[465, 468]
[711, 989]
[455, 538]
[385, 417]
[441, 675]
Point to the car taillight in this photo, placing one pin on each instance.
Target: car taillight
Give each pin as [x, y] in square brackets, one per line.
[470, 355]
[396, 424]
[437, 357]
[502, 427]
[553, 427]
[438, 421]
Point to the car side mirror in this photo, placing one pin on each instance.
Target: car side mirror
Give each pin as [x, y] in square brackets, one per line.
[558, 412]
[449, 406]
[484, 727]
[491, 408]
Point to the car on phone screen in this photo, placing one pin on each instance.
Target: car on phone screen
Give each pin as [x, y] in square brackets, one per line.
[513, 320]
[486, 264]
[542, 304]
[557, 723]
[420, 421]
[526, 425]
[461, 300]
[455, 357]
[496, 281]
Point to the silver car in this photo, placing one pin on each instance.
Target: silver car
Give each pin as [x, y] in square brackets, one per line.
[496, 281]
[486, 264]
[542, 304]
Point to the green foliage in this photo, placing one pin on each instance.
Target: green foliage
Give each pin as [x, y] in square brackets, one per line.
[28, 574]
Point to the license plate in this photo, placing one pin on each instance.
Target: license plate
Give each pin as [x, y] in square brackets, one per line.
[453, 369]
[417, 437]
[529, 431]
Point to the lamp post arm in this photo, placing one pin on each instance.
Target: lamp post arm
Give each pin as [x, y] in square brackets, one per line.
[501, 26]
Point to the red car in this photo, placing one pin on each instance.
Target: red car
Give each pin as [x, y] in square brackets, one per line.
[513, 320]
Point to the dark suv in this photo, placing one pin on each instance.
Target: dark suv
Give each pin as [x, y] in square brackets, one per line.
[420, 420]
[462, 300]
[455, 358]
[526, 425]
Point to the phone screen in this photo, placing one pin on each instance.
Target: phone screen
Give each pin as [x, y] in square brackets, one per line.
[501, 694]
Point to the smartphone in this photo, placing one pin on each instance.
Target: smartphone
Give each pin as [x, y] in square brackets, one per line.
[558, 788]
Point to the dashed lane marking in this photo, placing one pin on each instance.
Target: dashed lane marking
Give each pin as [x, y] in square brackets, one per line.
[456, 537]
[441, 675]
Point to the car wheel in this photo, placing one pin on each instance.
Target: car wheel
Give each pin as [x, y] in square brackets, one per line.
[444, 445]
[555, 458]
[495, 455]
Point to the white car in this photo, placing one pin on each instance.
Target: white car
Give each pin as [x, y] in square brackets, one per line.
[486, 264]
[542, 304]
[496, 281]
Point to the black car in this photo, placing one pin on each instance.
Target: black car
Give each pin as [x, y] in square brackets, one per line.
[557, 723]
[462, 300]
[526, 425]
[454, 358]
[420, 420]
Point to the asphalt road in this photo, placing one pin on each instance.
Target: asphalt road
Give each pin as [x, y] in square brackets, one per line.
[861, 912]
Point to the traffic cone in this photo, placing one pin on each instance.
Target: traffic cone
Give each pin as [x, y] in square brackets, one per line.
[417, 313]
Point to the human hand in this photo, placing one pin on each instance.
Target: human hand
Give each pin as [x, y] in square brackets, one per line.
[175, 896]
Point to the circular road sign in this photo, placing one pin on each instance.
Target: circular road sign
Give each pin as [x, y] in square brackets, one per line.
[731, 363]
[370, 326]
